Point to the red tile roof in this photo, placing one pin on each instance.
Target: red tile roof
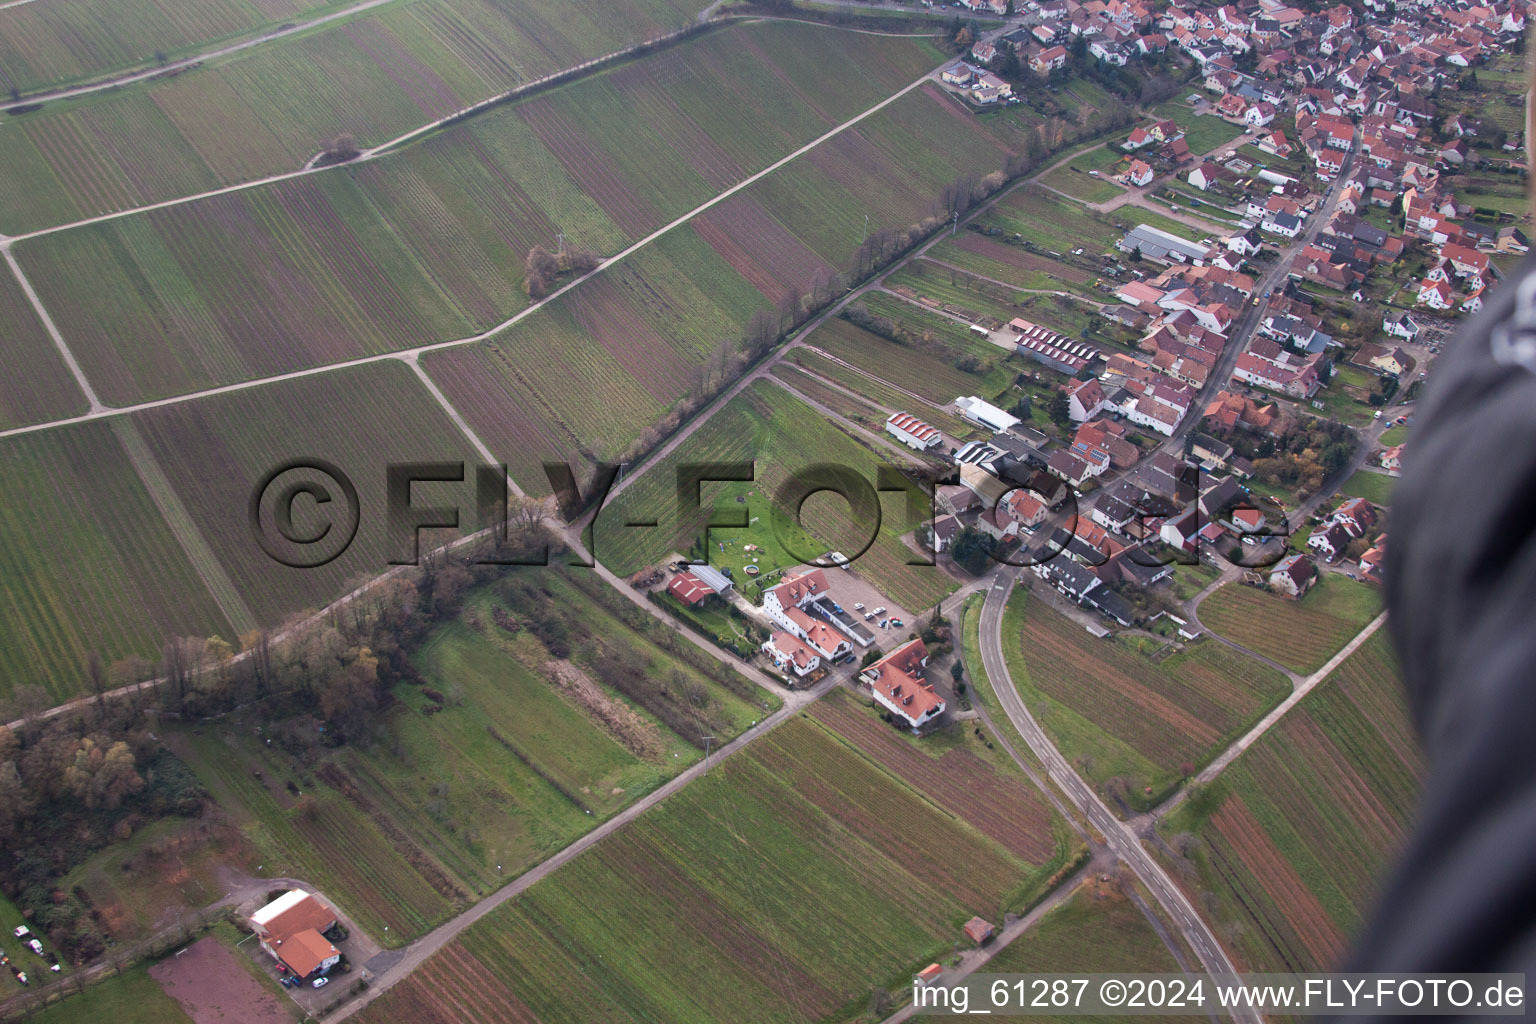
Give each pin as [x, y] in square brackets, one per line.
[689, 589]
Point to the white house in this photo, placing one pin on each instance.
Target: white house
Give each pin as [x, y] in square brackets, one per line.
[1281, 223]
[1260, 114]
[1400, 325]
[1085, 400]
[1435, 294]
[790, 654]
[896, 681]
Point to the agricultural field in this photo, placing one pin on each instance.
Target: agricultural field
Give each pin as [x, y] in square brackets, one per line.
[1012, 264]
[173, 865]
[47, 44]
[37, 386]
[1101, 928]
[427, 244]
[834, 398]
[959, 772]
[1133, 724]
[720, 877]
[1301, 635]
[132, 997]
[929, 371]
[883, 395]
[87, 562]
[270, 109]
[450, 798]
[767, 425]
[1056, 224]
[217, 974]
[1287, 847]
[937, 283]
[361, 420]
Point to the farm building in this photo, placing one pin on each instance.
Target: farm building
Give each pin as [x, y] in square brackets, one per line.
[912, 432]
[1055, 350]
[1161, 246]
[978, 931]
[897, 683]
[289, 929]
[986, 414]
[689, 589]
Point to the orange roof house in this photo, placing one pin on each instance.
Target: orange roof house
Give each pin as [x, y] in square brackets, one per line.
[897, 683]
[289, 930]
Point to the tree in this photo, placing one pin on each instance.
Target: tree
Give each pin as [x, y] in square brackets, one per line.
[102, 777]
[351, 695]
[341, 149]
[1061, 409]
[963, 38]
[957, 670]
[540, 270]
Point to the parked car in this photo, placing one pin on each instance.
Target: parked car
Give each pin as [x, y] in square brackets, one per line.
[320, 982]
[859, 606]
[880, 610]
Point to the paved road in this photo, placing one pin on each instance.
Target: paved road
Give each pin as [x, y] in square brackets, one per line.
[1117, 835]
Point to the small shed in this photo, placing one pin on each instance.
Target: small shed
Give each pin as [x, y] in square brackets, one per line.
[928, 975]
[979, 931]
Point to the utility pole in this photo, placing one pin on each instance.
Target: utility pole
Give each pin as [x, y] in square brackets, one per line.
[561, 239]
[707, 741]
[956, 225]
[866, 230]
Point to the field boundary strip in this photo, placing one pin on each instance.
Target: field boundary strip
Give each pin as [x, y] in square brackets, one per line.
[98, 410]
[96, 406]
[206, 564]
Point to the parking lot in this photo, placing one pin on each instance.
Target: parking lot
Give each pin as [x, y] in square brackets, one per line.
[850, 590]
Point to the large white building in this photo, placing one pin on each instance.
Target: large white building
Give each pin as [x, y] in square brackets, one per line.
[289, 929]
[986, 414]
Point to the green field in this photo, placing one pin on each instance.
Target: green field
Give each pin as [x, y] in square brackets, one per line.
[1292, 840]
[1373, 487]
[928, 371]
[130, 998]
[1301, 635]
[435, 809]
[768, 426]
[271, 108]
[1133, 725]
[1056, 224]
[883, 395]
[362, 420]
[1203, 132]
[938, 283]
[1073, 177]
[38, 386]
[720, 877]
[427, 244]
[87, 563]
[50, 44]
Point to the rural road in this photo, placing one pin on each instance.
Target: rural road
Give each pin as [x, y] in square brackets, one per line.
[1117, 835]
[418, 951]
[419, 350]
[1301, 689]
[183, 63]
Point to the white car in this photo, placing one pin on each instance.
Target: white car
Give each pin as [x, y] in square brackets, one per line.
[320, 982]
[859, 607]
[880, 610]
